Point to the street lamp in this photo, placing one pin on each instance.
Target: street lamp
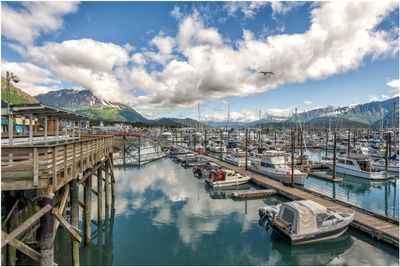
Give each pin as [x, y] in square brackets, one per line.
[10, 76]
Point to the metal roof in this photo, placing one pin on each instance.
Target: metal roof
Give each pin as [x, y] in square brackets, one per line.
[44, 110]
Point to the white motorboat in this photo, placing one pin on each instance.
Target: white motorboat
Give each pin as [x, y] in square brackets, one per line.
[237, 158]
[358, 165]
[225, 178]
[393, 166]
[306, 221]
[274, 164]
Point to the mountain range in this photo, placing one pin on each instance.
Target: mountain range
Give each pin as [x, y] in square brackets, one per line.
[376, 114]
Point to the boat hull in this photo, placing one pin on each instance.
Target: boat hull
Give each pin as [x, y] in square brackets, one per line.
[310, 238]
[239, 163]
[298, 179]
[219, 184]
[361, 174]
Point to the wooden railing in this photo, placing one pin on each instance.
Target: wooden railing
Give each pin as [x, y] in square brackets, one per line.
[50, 166]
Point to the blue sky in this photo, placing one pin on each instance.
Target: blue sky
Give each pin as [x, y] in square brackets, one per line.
[162, 58]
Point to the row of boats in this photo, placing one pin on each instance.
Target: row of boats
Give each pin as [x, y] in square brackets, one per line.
[298, 222]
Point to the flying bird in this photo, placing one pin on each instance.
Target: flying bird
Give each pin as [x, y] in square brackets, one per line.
[267, 73]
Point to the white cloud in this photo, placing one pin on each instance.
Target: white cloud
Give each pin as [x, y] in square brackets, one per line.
[33, 19]
[340, 36]
[33, 79]
[176, 13]
[308, 102]
[165, 44]
[248, 9]
[86, 63]
[245, 115]
[394, 87]
[283, 7]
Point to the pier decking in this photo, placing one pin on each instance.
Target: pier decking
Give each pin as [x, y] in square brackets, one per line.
[377, 226]
[50, 166]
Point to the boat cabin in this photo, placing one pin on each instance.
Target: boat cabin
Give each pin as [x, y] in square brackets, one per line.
[222, 175]
[304, 217]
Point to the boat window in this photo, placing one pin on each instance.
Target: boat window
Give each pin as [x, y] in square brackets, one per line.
[348, 162]
[341, 161]
[288, 216]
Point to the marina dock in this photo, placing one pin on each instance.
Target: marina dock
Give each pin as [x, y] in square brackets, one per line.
[254, 194]
[325, 177]
[376, 225]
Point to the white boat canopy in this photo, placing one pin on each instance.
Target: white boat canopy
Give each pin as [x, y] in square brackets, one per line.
[302, 215]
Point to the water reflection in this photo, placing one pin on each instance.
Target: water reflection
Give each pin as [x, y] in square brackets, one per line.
[163, 215]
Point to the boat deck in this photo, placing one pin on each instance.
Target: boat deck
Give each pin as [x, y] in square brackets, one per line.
[376, 225]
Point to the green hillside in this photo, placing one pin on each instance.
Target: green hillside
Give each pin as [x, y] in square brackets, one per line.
[120, 113]
[17, 96]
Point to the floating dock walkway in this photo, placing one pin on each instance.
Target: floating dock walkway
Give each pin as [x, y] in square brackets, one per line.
[324, 176]
[254, 194]
[378, 226]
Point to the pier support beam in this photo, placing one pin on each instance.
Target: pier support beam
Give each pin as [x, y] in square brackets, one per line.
[88, 209]
[46, 234]
[107, 185]
[99, 195]
[74, 220]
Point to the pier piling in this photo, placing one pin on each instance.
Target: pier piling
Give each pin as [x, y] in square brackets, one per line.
[74, 195]
[88, 209]
[46, 234]
[99, 195]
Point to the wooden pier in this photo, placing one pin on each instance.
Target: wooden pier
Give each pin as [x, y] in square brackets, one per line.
[254, 194]
[376, 225]
[325, 177]
[44, 180]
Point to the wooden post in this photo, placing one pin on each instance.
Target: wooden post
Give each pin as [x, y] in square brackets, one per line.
[45, 128]
[12, 225]
[10, 129]
[139, 151]
[334, 156]
[46, 235]
[293, 148]
[354, 138]
[301, 147]
[88, 208]
[220, 147]
[348, 142]
[107, 185]
[386, 152]
[246, 148]
[57, 129]
[99, 195]
[326, 147]
[74, 219]
[113, 178]
[30, 129]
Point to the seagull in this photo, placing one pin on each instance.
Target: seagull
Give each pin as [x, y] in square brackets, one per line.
[266, 73]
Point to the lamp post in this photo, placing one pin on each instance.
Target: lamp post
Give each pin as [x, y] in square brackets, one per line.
[9, 76]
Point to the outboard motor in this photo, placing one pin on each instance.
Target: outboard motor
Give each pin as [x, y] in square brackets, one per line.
[268, 212]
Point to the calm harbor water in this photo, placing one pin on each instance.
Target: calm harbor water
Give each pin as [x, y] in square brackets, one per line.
[163, 215]
[378, 196]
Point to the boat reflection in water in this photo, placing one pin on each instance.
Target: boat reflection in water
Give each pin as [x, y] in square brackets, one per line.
[320, 253]
[226, 192]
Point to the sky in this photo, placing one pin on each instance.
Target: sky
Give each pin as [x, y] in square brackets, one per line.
[166, 59]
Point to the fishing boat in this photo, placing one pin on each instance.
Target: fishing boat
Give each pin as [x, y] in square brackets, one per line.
[358, 165]
[237, 158]
[225, 178]
[306, 221]
[192, 162]
[274, 164]
[393, 166]
[205, 170]
[183, 157]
